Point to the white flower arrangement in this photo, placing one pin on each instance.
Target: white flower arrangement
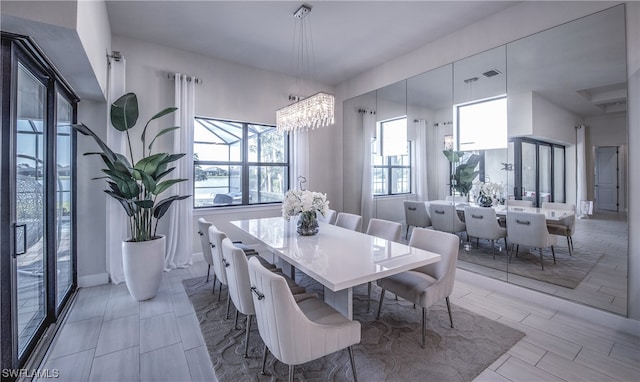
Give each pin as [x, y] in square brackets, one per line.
[491, 190]
[296, 202]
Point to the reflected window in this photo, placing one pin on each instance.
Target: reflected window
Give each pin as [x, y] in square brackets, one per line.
[482, 125]
[391, 159]
[238, 163]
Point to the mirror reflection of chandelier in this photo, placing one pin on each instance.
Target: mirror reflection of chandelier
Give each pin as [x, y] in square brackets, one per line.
[310, 112]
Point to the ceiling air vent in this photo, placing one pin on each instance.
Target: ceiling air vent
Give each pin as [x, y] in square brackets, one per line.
[491, 73]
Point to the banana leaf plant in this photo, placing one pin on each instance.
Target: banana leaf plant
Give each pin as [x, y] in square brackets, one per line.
[137, 184]
[465, 173]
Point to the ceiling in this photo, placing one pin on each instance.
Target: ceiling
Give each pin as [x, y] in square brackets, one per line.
[349, 37]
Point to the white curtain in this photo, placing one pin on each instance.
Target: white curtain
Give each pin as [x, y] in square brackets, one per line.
[367, 206]
[300, 150]
[581, 169]
[180, 234]
[116, 230]
[421, 163]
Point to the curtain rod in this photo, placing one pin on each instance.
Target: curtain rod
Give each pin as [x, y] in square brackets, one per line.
[366, 111]
[442, 123]
[198, 81]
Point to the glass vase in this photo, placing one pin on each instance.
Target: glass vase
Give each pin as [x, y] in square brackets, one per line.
[307, 223]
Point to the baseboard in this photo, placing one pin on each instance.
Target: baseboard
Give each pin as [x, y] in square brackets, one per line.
[575, 309]
[93, 280]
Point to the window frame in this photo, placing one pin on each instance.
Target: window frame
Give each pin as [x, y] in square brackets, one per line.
[388, 167]
[244, 164]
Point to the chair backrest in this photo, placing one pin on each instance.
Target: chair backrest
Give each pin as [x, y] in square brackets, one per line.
[444, 218]
[519, 203]
[349, 221]
[570, 222]
[216, 238]
[446, 245]
[239, 285]
[415, 214]
[385, 229]
[280, 321]
[330, 217]
[482, 222]
[528, 229]
[203, 232]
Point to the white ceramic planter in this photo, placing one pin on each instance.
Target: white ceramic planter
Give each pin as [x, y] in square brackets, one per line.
[143, 264]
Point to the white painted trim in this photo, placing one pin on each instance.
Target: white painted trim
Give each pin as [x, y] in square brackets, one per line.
[597, 316]
[93, 280]
[198, 212]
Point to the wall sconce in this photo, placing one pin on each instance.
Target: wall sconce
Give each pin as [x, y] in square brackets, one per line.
[448, 142]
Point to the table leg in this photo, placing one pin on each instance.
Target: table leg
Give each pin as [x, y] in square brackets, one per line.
[342, 301]
[287, 269]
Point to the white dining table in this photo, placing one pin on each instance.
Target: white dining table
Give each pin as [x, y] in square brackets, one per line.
[551, 215]
[337, 258]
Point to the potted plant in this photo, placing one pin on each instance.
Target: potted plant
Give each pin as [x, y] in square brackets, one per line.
[136, 185]
[465, 173]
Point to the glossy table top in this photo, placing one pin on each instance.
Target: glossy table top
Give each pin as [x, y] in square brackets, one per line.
[336, 257]
[550, 214]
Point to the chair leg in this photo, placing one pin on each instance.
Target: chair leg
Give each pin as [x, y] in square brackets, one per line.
[571, 240]
[517, 249]
[220, 292]
[248, 328]
[493, 248]
[477, 242]
[424, 329]
[553, 252]
[226, 316]
[213, 288]
[541, 263]
[449, 309]
[235, 324]
[380, 304]
[369, 297]
[569, 245]
[291, 370]
[353, 364]
[208, 270]
[406, 236]
[264, 360]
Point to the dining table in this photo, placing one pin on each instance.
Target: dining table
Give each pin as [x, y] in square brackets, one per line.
[338, 258]
[551, 215]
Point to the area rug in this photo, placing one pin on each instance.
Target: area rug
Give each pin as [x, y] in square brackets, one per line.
[569, 271]
[389, 349]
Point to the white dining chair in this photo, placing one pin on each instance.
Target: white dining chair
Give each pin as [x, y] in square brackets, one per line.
[482, 223]
[297, 332]
[529, 229]
[415, 214]
[329, 218]
[445, 218]
[384, 229]
[425, 286]
[564, 227]
[518, 203]
[205, 243]
[349, 221]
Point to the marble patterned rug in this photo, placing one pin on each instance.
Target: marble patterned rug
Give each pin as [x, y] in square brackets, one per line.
[389, 349]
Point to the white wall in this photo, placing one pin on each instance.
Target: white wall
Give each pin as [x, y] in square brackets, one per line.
[94, 32]
[552, 123]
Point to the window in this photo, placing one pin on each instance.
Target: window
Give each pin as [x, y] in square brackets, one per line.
[482, 125]
[391, 174]
[238, 163]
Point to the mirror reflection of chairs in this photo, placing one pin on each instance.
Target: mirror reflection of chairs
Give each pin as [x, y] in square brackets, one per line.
[445, 218]
[529, 229]
[416, 215]
[482, 223]
[564, 227]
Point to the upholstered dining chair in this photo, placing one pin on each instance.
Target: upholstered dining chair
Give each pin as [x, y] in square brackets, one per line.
[482, 223]
[518, 203]
[203, 232]
[564, 227]
[415, 214]
[384, 229]
[349, 221]
[529, 229]
[297, 332]
[445, 218]
[425, 286]
[330, 218]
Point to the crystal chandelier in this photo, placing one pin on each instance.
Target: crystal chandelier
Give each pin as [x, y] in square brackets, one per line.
[311, 112]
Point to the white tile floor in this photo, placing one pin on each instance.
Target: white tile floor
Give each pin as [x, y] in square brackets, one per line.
[109, 337]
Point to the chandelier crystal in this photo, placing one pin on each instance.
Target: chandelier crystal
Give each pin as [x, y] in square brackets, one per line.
[309, 113]
[314, 111]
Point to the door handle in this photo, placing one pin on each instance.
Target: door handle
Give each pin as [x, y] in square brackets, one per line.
[22, 226]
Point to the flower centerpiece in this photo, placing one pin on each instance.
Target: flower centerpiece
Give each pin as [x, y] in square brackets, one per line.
[306, 204]
[488, 192]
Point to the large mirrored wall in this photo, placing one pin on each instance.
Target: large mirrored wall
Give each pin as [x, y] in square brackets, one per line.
[539, 120]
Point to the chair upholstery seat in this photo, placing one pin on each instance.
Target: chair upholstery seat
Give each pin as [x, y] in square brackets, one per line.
[319, 312]
[411, 285]
[557, 229]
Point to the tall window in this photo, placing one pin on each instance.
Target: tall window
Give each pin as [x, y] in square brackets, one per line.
[482, 125]
[238, 163]
[391, 159]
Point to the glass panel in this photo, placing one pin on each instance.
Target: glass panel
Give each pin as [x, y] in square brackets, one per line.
[544, 153]
[30, 198]
[528, 172]
[379, 177]
[558, 174]
[400, 180]
[267, 184]
[217, 185]
[63, 204]
[483, 125]
[266, 144]
[217, 141]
